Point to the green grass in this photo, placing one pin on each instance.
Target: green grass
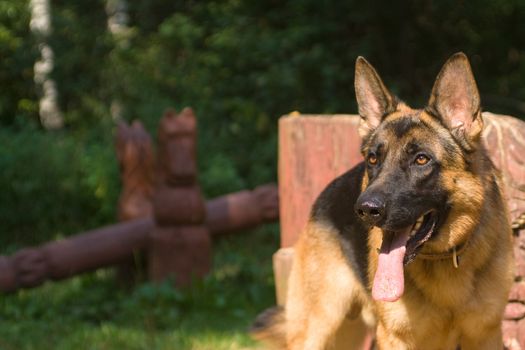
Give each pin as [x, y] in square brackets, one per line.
[92, 312]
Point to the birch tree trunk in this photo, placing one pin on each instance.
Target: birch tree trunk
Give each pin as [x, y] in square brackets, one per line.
[118, 21]
[50, 115]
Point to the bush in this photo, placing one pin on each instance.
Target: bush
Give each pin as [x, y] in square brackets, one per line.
[240, 65]
[18, 103]
[54, 184]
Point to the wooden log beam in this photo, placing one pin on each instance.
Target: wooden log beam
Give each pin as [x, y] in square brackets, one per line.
[242, 210]
[112, 244]
[56, 260]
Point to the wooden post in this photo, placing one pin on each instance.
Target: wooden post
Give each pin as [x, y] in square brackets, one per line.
[136, 159]
[180, 243]
[504, 138]
[313, 150]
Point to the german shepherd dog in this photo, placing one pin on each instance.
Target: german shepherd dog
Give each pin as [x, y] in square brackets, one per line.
[415, 239]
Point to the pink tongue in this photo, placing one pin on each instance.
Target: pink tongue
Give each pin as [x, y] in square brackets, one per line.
[389, 280]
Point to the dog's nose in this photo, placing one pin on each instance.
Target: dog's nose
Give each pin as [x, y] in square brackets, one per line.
[371, 210]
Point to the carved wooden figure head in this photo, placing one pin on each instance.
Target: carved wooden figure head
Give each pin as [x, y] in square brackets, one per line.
[177, 147]
[136, 160]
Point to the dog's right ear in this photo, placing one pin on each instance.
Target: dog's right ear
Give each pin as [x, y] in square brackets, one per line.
[455, 99]
[374, 101]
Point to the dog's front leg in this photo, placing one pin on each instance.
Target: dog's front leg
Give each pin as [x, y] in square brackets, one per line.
[313, 324]
[487, 340]
[323, 290]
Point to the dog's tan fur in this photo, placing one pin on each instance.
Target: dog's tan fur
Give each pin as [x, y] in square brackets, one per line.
[443, 307]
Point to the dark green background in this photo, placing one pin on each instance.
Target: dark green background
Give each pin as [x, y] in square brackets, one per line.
[240, 65]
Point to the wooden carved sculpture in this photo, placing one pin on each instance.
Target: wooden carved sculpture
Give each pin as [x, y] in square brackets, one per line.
[243, 209]
[177, 240]
[505, 140]
[56, 260]
[136, 161]
[180, 245]
[115, 244]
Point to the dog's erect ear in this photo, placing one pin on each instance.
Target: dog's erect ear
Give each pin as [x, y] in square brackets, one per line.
[455, 98]
[373, 98]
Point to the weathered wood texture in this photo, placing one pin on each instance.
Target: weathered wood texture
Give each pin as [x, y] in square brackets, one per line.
[180, 243]
[56, 260]
[313, 150]
[163, 210]
[136, 159]
[114, 244]
[505, 141]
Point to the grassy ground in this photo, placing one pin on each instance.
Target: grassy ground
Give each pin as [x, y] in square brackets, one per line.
[92, 312]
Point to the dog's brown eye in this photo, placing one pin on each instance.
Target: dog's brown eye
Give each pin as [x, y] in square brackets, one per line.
[372, 159]
[422, 159]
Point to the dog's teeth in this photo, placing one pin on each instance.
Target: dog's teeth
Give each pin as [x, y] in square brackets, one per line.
[417, 225]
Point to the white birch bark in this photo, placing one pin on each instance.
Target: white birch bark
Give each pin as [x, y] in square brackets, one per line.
[118, 26]
[118, 19]
[50, 115]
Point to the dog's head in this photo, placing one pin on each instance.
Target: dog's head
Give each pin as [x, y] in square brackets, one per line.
[421, 186]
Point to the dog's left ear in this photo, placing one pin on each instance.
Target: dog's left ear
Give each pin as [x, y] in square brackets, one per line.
[455, 98]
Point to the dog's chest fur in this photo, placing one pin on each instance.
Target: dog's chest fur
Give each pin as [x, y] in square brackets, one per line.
[446, 301]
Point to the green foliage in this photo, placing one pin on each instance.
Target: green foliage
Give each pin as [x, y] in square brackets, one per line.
[54, 184]
[91, 312]
[81, 44]
[18, 102]
[240, 65]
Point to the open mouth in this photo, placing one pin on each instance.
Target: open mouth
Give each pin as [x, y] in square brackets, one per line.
[421, 232]
[397, 250]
